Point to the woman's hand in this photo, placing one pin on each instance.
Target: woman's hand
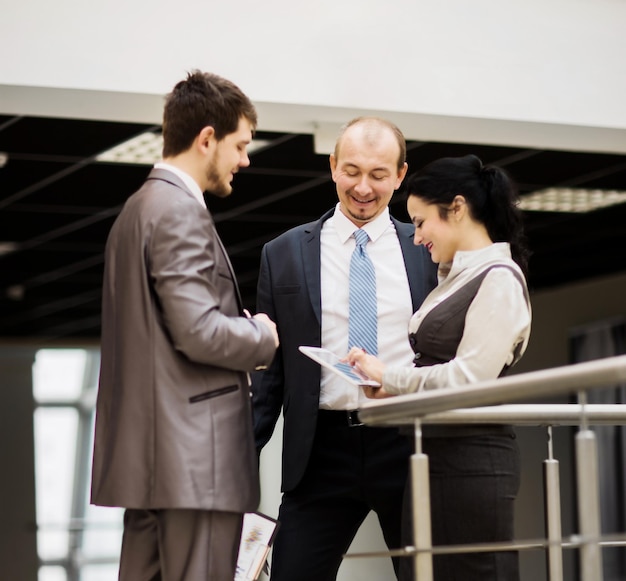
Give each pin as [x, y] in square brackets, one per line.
[375, 392]
[371, 367]
[368, 365]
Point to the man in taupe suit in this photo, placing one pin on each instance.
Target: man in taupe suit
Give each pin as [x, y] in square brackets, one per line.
[173, 442]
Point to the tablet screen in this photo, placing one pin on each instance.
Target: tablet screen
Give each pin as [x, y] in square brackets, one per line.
[332, 362]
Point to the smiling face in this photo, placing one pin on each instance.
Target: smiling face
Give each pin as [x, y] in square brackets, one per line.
[365, 171]
[225, 158]
[438, 234]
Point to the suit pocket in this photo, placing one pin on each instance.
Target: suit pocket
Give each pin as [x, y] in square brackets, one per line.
[213, 393]
[287, 289]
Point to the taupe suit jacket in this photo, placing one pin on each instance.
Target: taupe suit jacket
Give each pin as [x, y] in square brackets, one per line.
[173, 423]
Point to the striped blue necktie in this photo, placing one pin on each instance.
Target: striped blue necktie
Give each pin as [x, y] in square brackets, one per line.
[362, 322]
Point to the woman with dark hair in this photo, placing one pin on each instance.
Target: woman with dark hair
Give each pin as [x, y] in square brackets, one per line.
[472, 327]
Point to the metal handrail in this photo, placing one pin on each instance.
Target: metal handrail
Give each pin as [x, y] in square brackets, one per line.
[523, 386]
[523, 415]
[442, 406]
[570, 542]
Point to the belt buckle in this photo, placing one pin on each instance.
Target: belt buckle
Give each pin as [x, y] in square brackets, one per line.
[353, 418]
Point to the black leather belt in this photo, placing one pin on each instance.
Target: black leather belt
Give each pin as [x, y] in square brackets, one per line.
[348, 418]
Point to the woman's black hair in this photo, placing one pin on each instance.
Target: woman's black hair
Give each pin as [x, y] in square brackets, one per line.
[490, 194]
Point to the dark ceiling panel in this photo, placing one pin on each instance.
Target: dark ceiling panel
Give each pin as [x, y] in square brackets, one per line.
[560, 168]
[73, 138]
[19, 174]
[291, 153]
[57, 206]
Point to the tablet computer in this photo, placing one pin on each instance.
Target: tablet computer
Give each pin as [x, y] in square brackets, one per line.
[332, 362]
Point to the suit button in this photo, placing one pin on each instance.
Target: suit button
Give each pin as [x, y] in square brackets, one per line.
[417, 357]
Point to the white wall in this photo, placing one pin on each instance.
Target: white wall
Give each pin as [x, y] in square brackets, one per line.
[533, 72]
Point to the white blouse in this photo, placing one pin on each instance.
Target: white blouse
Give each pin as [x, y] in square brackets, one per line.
[498, 319]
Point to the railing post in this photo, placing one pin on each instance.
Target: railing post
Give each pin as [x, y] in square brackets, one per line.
[553, 513]
[420, 490]
[588, 500]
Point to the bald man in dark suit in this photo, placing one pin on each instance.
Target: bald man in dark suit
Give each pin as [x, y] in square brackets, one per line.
[334, 470]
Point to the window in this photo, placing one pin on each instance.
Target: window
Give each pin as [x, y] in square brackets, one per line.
[76, 541]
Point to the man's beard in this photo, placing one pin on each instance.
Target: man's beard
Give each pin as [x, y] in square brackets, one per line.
[217, 184]
[361, 217]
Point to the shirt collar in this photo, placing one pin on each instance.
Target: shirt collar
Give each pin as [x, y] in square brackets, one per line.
[464, 259]
[345, 227]
[191, 184]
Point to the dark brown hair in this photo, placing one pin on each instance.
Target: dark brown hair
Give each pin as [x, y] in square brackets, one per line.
[201, 100]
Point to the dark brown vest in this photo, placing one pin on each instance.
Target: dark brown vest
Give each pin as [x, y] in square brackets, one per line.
[437, 340]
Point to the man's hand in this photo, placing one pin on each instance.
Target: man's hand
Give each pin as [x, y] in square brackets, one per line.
[263, 318]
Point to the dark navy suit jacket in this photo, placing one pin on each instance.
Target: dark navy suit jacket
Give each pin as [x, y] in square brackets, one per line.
[289, 292]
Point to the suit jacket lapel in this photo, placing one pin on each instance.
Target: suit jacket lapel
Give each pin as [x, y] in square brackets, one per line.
[311, 260]
[408, 249]
[230, 268]
[163, 174]
[310, 246]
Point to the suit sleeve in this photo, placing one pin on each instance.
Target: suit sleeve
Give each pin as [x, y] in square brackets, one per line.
[190, 282]
[268, 385]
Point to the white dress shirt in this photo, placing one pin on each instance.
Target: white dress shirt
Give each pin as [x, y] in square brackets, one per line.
[194, 188]
[393, 293]
[497, 320]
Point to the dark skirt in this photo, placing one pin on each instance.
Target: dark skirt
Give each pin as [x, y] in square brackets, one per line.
[473, 484]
